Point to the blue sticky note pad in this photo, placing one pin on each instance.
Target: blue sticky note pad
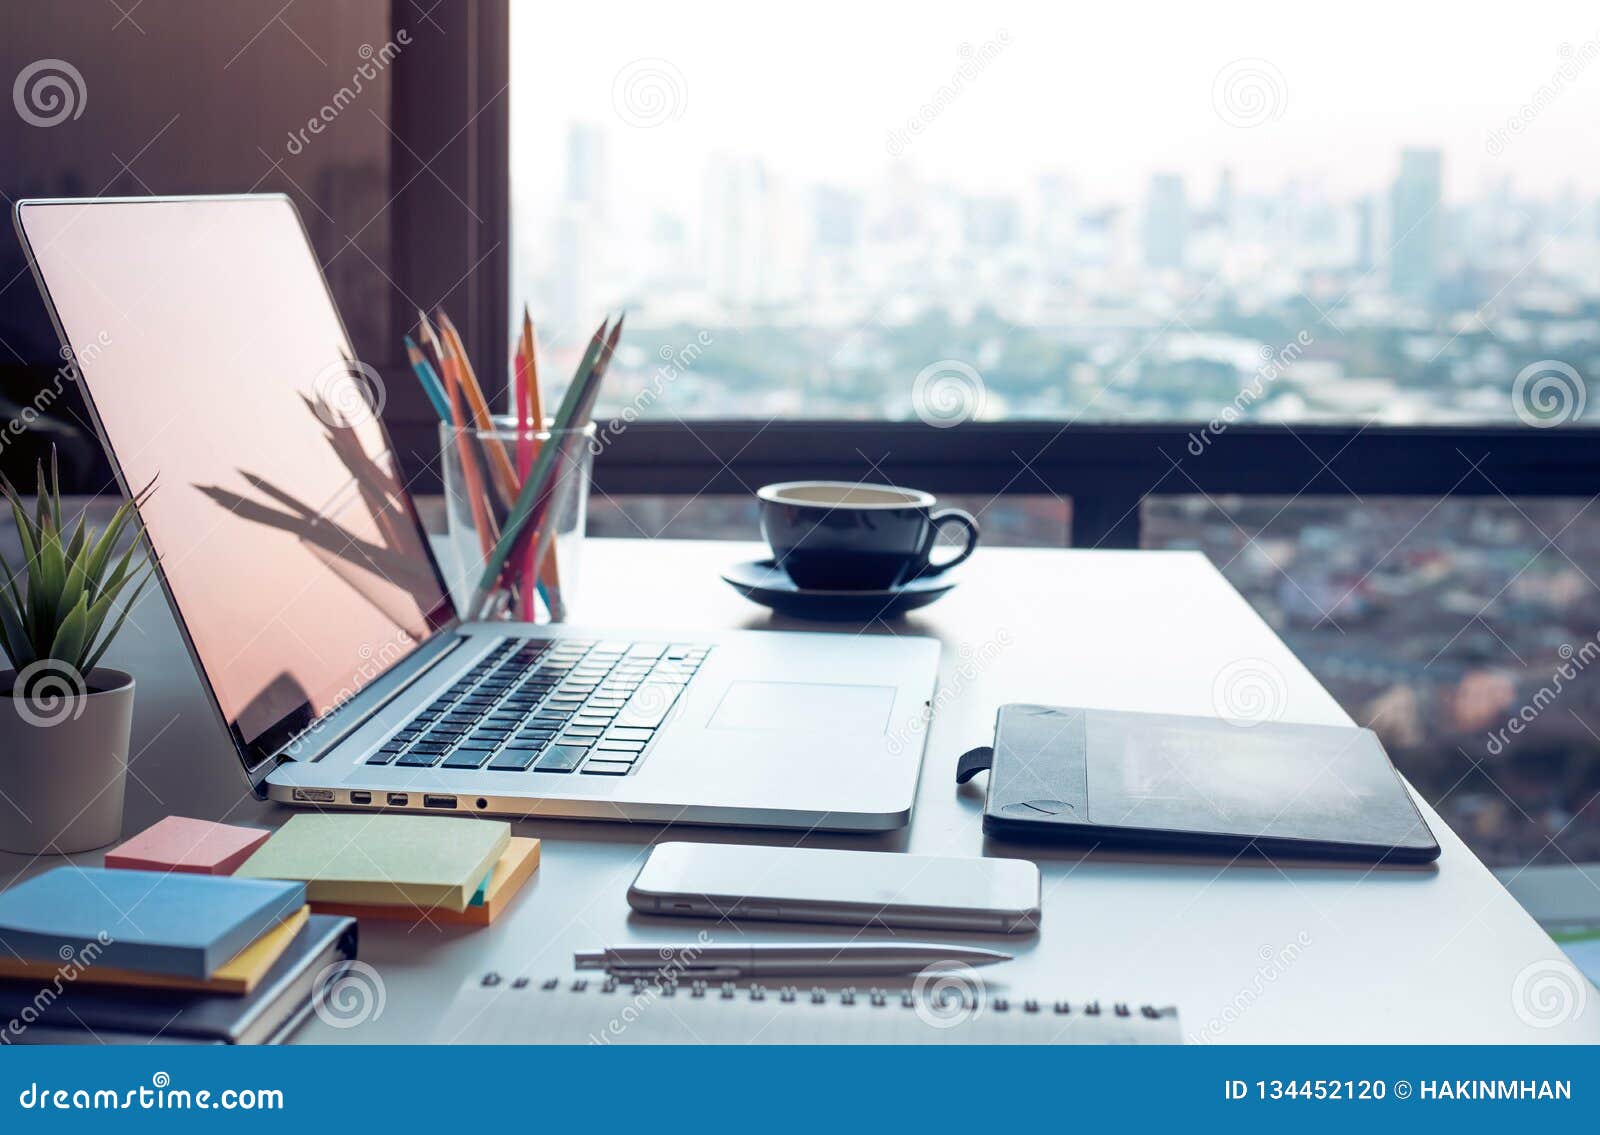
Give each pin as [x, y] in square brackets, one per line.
[480, 896]
[146, 921]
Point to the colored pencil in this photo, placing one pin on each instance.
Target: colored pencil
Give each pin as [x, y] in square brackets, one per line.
[535, 399]
[463, 431]
[499, 463]
[548, 568]
[428, 340]
[520, 380]
[429, 380]
[499, 483]
[544, 527]
[536, 488]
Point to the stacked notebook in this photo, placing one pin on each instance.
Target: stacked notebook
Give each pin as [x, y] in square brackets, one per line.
[419, 868]
[86, 953]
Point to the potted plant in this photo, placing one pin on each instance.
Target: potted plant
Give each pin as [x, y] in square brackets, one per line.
[64, 721]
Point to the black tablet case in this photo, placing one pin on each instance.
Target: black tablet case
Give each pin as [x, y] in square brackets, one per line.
[1203, 784]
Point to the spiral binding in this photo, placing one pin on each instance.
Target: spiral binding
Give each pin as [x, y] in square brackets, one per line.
[700, 989]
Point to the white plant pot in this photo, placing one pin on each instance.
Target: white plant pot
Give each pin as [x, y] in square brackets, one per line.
[63, 761]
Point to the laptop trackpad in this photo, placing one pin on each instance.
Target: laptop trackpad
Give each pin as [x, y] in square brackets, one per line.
[804, 707]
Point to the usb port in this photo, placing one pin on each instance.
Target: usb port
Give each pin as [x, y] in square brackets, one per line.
[438, 801]
[398, 799]
[361, 798]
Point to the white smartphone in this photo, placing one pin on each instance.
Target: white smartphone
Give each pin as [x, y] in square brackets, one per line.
[858, 888]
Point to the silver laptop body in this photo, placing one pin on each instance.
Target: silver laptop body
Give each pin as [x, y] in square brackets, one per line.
[163, 304]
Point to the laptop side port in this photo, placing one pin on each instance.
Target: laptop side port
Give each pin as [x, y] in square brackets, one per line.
[398, 800]
[313, 795]
[438, 801]
[361, 798]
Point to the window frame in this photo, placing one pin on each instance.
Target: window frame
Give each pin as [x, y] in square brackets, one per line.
[1105, 469]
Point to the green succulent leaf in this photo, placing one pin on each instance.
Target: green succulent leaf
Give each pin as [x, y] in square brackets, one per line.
[13, 590]
[71, 635]
[43, 514]
[25, 527]
[80, 536]
[100, 606]
[94, 658]
[55, 488]
[57, 605]
[100, 552]
[19, 648]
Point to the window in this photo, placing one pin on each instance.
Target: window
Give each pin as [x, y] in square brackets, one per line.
[950, 212]
[1458, 629]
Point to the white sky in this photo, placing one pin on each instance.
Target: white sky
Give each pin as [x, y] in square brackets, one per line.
[1105, 93]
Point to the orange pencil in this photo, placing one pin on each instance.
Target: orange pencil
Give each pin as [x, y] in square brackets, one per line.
[499, 464]
[469, 467]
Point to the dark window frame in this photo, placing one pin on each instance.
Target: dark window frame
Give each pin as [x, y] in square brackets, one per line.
[1106, 469]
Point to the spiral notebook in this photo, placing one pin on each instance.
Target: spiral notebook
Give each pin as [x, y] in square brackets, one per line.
[944, 1009]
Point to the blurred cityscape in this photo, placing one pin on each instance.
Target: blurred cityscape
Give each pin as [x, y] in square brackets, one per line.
[1434, 622]
[1398, 305]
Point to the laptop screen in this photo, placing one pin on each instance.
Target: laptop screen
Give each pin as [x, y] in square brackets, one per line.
[216, 363]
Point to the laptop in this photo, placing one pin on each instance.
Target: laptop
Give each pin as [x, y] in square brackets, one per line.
[319, 621]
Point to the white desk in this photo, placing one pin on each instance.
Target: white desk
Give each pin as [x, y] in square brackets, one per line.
[1249, 951]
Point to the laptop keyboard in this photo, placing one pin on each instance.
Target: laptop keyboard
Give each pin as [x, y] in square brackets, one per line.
[565, 706]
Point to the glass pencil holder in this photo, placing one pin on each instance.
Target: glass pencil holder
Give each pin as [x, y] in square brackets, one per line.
[483, 472]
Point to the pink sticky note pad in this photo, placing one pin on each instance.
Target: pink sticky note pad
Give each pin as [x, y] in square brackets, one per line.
[195, 847]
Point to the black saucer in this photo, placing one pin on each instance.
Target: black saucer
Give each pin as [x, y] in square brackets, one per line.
[762, 581]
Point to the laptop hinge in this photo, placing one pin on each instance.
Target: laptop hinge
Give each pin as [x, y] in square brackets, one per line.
[319, 738]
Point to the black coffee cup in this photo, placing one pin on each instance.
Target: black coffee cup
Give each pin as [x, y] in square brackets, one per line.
[839, 536]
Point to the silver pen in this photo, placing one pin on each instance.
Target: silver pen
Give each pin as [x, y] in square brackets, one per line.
[821, 959]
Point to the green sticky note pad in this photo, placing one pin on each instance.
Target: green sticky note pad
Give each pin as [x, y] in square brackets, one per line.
[384, 860]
